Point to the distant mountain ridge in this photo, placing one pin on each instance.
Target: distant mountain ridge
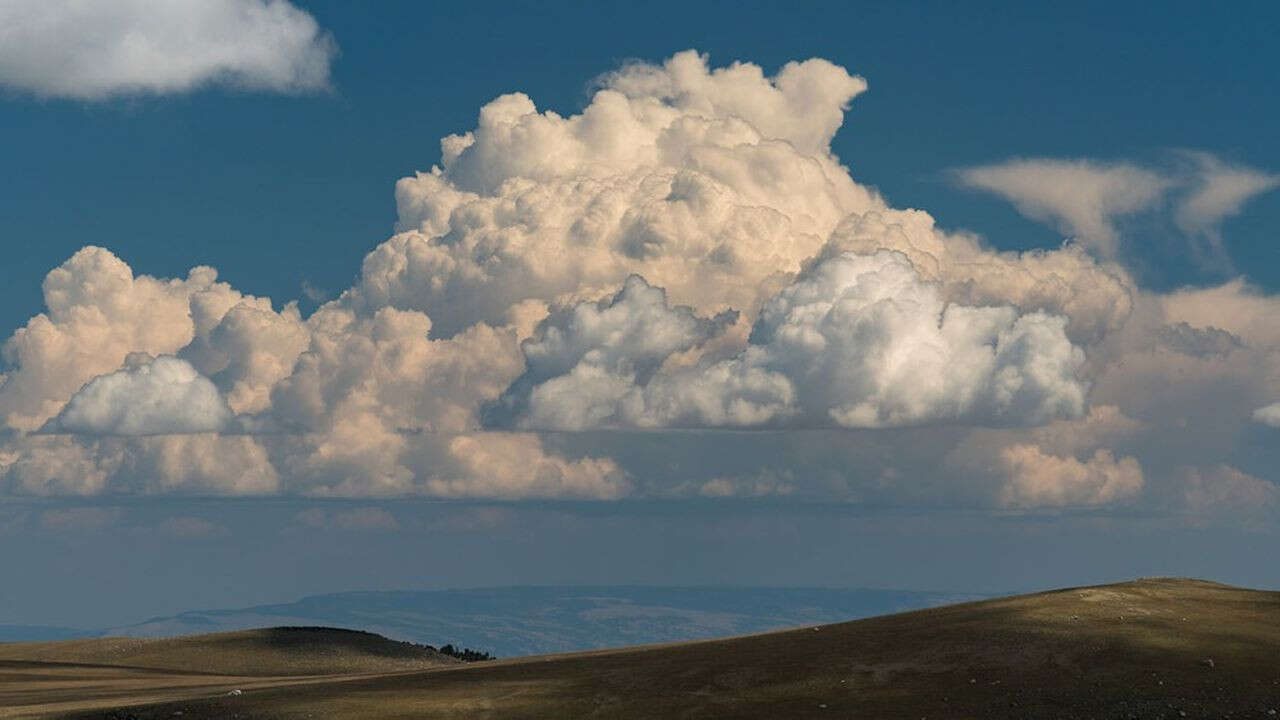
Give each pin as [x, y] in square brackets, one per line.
[515, 621]
[40, 633]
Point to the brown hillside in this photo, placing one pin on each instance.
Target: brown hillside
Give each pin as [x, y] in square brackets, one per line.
[1145, 649]
[273, 651]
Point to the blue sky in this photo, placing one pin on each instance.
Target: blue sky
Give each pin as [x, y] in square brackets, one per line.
[286, 184]
[213, 177]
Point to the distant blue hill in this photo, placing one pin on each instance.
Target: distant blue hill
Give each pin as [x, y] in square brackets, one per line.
[40, 633]
[517, 621]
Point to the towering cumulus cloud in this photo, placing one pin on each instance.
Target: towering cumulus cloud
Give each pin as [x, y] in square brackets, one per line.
[685, 256]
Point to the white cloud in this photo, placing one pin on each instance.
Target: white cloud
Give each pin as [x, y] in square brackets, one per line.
[747, 281]
[246, 349]
[1096, 298]
[517, 466]
[712, 184]
[855, 341]
[57, 465]
[869, 343]
[1268, 414]
[1219, 191]
[94, 50]
[97, 313]
[762, 484]
[1066, 463]
[1033, 478]
[1082, 198]
[1224, 492]
[164, 396]
[202, 464]
[605, 348]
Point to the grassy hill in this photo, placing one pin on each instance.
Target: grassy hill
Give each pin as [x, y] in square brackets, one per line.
[515, 621]
[274, 652]
[1151, 648]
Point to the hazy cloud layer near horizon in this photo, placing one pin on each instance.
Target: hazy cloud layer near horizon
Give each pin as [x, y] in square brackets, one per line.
[684, 258]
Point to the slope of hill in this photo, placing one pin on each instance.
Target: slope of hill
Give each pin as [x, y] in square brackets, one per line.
[274, 652]
[1145, 649]
[516, 621]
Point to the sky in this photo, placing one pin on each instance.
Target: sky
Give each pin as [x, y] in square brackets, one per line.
[303, 297]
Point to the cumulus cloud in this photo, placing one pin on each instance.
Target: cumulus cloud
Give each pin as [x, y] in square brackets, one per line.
[54, 465]
[95, 50]
[762, 484]
[685, 255]
[1224, 491]
[870, 343]
[164, 396]
[97, 314]
[1082, 198]
[855, 341]
[709, 183]
[584, 360]
[1096, 298]
[1066, 463]
[517, 466]
[1033, 478]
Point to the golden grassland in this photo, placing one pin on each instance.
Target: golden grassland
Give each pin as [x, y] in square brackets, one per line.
[1143, 649]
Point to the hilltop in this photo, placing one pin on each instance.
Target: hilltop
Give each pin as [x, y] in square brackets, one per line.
[1149, 648]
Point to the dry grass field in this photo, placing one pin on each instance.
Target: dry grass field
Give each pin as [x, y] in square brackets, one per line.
[1145, 649]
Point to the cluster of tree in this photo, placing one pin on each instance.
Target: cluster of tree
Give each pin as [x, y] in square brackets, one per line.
[465, 654]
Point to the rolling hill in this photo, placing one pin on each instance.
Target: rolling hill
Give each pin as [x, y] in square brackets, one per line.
[272, 651]
[515, 621]
[1144, 649]
[43, 679]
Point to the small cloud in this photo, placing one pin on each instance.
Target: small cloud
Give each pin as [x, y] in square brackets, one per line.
[1082, 198]
[97, 50]
[1268, 414]
[148, 397]
[1220, 191]
[1035, 479]
[1223, 492]
[761, 484]
[314, 293]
